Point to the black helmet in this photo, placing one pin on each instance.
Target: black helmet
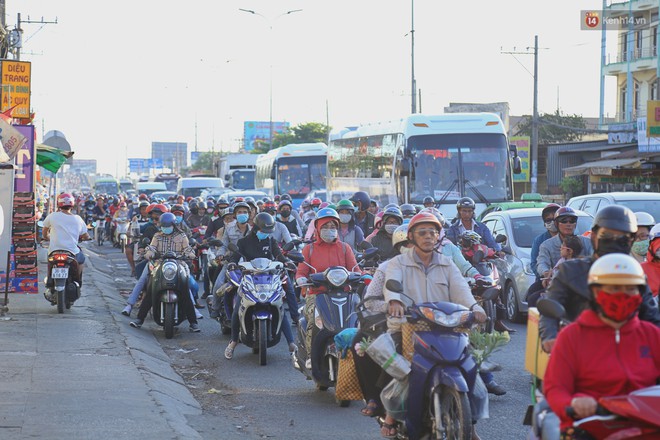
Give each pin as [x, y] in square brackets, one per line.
[201, 206]
[227, 211]
[143, 204]
[393, 212]
[264, 222]
[428, 199]
[192, 205]
[465, 202]
[615, 217]
[285, 197]
[363, 199]
[408, 209]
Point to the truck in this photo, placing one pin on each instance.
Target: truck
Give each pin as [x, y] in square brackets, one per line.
[236, 161]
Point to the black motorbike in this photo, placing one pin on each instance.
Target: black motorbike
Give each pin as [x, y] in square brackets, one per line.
[168, 283]
[61, 288]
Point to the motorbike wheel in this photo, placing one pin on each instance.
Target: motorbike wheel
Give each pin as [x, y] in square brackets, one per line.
[451, 414]
[489, 325]
[61, 300]
[263, 335]
[99, 238]
[123, 247]
[168, 322]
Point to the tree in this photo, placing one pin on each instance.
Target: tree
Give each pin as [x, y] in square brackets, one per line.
[204, 163]
[309, 132]
[554, 128]
[572, 186]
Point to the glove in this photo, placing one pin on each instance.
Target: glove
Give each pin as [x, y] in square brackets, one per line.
[302, 281]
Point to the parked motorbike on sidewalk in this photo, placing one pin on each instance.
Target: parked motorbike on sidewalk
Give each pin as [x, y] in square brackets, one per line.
[168, 284]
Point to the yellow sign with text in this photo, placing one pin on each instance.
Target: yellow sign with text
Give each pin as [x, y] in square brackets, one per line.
[15, 88]
[652, 119]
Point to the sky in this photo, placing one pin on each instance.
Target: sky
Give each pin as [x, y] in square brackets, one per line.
[116, 76]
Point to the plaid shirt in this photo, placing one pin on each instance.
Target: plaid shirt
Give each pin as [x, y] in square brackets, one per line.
[176, 242]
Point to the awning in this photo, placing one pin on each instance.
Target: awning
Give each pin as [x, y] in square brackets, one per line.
[51, 158]
[601, 167]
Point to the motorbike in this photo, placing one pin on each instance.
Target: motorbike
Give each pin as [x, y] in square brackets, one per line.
[335, 311]
[443, 372]
[199, 262]
[261, 303]
[61, 289]
[167, 284]
[99, 230]
[121, 233]
[491, 280]
[213, 264]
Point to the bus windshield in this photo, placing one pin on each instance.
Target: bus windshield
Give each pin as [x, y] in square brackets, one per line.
[297, 176]
[106, 188]
[242, 179]
[451, 166]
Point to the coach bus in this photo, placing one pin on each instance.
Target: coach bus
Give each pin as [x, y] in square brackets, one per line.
[294, 169]
[446, 156]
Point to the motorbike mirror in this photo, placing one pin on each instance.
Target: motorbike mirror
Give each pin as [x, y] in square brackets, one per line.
[145, 241]
[394, 286]
[233, 247]
[288, 246]
[364, 245]
[371, 253]
[40, 224]
[214, 242]
[501, 238]
[551, 308]
[490, 294]
[296, 257]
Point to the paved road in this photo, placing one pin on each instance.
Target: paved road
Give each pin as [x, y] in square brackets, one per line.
[240, 399]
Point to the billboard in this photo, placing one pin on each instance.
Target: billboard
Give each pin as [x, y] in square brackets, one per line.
[258, 132]
[15, 88]
[84, 166]
[523, 143]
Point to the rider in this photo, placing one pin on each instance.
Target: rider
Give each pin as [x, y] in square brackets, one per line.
[349, 232]
[465, 221]
[363, 218]
[325, 252]
[548, 216]
[168, 239]
[608, 351]
[652, 264]
[640, 247]
[260, 244]
[64, 229]
[101, 212]
[612, 232]
[428, 202]
[392, 219]
[284, 216]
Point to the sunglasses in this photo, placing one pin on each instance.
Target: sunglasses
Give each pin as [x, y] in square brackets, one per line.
[425, 232]
[568, 220]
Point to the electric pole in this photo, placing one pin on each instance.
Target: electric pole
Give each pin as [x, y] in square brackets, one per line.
[413, 93]
[20, 31]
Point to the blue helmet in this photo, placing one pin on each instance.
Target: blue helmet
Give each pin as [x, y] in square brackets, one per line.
[363, 199]
[327, 212]
[167, 219]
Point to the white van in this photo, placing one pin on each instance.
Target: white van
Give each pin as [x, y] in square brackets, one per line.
[149, 188]
[193, 186]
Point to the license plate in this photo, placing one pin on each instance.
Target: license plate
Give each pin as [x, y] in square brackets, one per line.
[60, 273]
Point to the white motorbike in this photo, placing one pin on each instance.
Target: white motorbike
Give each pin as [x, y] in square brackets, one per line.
[121, 234]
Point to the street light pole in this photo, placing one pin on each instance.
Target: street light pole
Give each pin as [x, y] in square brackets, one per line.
[270, 93]
[412, 57]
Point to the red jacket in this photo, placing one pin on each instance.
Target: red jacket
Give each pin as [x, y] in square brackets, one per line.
[652, 271]
[587, 360]
[324, 255]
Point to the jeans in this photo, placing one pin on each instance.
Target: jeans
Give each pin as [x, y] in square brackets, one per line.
[291, 299]
[487, 377]
[139, 287]
[219, 281]
[236, 326]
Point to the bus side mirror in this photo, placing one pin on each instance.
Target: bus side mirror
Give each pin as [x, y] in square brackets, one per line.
[405, 167]
[272, 172]
[517, 163]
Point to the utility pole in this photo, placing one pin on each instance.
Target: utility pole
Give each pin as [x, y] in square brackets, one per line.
[20, 31]
[413, 92]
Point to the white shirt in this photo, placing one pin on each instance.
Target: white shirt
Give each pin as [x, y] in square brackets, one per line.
[65, 229]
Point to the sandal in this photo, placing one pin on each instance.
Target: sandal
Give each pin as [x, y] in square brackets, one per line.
[372, 409]
[229, 351]
[388, 431]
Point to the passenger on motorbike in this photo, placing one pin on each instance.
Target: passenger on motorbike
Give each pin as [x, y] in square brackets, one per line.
[612, 231]
[349, 232]
[547, 216]
[169, 239]
[101, 212]
[285, 216]
[325, 252]
[640, 247]
[652, 264]
[392, 219]
[260, 244]
[427, 276]
[608, 351]
[197, 215]
[363, 218]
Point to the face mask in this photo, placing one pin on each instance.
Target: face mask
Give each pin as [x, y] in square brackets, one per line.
[285, 213]
[178, 219]
[194, 210]
[328, 235]
[391, 228]
[345, 218]
[640, 247]
[618, 306]
[315, 208]
[167, 230]
[210, 210]
[551, 227]
[609, 246]
[242, 218]
[262, 235]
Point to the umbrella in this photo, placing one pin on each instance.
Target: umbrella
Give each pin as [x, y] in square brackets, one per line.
[51, 158]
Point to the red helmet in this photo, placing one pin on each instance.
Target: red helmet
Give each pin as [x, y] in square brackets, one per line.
[157, 207]
[316, 202]
[122, 205]
[65, 200]
[424, 217]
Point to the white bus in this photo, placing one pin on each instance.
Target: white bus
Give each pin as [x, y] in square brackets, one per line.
[294, 169]
[445, 156]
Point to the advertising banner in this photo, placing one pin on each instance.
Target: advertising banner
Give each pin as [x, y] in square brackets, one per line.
[258, 132]
[6, 197]
[25, 159]
[12, 141]
[646, 144]
[15, 87]
[523, 143]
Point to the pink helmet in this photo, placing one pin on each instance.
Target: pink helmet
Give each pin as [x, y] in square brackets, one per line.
[65, 200]
[379, 220]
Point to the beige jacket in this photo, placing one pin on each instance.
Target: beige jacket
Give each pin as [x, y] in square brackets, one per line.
[441, 281]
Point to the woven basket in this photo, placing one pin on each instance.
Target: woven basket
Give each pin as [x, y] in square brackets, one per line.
[407, 330]
[348, 386]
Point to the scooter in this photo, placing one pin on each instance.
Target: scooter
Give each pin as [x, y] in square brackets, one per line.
[121, 234]
[443, 372]
[482, 286]
[228, 299]
[167, 285]
[335, 311]
[61, 289]
[99, 230]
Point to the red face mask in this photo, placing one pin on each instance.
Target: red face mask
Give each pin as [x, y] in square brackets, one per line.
[618, 306]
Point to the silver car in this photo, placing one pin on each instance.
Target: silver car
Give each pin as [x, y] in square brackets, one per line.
[520, 227]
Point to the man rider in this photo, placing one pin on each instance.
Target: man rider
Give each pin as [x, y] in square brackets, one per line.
[547, 216]
[285, 217]
[363, 218]
[613, 231]
[465, 221]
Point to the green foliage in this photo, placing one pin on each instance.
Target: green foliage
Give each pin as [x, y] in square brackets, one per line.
[553, 127]
[203, 164]
[302, 133]
[483, 345]
[572, 186]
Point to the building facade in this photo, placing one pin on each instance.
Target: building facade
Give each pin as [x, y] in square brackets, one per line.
[174, 155]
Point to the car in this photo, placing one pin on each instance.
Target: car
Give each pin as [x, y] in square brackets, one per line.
[214, 192]
[520, 227]
[636, 201]
[163, 194]
[527, 200]
[256, 195]
[317, 194]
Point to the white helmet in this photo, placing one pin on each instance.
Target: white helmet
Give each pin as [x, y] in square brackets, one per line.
[617, 269]
[644, 219]
[400, 234]
[655, 232]
[436, 212]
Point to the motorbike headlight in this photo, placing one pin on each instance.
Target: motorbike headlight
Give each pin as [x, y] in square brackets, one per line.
[527, 266]
[259, 288]
[318, 320]
[337, 277]
[169, 271]
[445, 320]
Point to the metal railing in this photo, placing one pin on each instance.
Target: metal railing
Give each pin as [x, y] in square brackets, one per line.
[637, 53]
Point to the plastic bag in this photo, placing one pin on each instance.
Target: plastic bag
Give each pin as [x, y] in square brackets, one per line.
[395, 398]
[383, 352]
[479, 400]
[344, 340]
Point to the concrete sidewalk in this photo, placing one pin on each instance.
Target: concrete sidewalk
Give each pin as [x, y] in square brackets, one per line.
[86, 374]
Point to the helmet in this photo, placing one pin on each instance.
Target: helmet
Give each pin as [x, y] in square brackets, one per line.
[167, 219]
[285, 197]
[177, 208]
[436, 212]
[565, 211]
[400, 235]
[265, 199]
[210, 198]
[644, 219]
[143, 204]
[210, 204]
[407, 209]
[655, 232]
[201, 205]
[465, 202]
[284, 203]
[316, 202]
[428, 199]
[305, 203]
[122, 205]
[241, 205]
[551, 207]
[363, 199]
[327, 213]
[615, 217]
[249, 199]
[260, 203]
[276, 198]
[374, 202]
[469, 238]
[193, 204]
[345, 204]
[391, 205]
[378, 220]
[222, 201]
[264, 222]
[157, 207]
[239, 199]
[143, 197]
[392, 212]
[324, 205]
[227, 211]
[424, 217]
[65, 200]
[270, 206]
[616, 269]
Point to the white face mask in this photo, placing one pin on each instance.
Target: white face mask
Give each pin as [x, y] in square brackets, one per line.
[344, 218]
[391, 228]
[328, 235]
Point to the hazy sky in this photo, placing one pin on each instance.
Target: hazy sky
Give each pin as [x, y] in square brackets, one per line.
[115, 76]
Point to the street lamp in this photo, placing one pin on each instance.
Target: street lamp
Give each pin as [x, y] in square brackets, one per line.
[270, 28]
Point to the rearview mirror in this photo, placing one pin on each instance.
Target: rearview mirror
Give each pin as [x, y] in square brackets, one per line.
[371, 253]
[501, 238]
[394, 286]
[364, 245]
[296, 257]
[289, 246]
[551, 308]
[517, 165]
[405, 167]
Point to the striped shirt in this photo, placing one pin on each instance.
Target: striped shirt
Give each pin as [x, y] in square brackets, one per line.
[176, 242]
